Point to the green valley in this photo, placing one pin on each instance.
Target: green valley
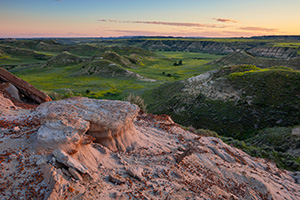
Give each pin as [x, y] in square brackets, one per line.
[246, 90]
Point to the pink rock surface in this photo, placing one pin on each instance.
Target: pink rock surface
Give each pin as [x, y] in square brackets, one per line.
[164, 161]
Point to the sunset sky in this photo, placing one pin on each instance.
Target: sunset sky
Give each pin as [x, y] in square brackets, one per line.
[104, 18]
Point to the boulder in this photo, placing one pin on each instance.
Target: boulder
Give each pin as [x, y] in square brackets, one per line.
[13, 91]
[75, 174]
[69, 161]
[64, 122]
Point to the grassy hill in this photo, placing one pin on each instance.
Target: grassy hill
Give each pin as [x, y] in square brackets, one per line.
[14, 55]
[232, 101]
[241, 57]
[251, 108]
[64, 58]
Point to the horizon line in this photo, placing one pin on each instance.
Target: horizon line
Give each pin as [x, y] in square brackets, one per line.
[143, 36]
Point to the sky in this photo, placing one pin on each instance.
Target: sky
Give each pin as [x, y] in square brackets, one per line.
[179, 18]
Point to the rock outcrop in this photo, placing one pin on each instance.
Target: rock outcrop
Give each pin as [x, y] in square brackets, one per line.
[242, 57]
[25, 89]
[164, 161]
[274, 52]
[215, 47]
[109, 122]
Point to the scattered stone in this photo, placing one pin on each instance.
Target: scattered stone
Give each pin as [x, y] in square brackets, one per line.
[13, 91]
[69, 161]
[75, 174]
[66, 172]
[136, 172]
[16, 128]
[116, 179]
[41, 161]
[189, 151]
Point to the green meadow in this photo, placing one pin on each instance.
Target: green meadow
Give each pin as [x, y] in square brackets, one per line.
[160, 68]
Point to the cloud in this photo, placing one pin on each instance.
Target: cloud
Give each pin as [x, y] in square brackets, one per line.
[182, 24]
[259, 29]
[225, 20]
[139, 33]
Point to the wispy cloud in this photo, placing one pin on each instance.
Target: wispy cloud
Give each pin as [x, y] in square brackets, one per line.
[140, 32]
[225, 20]
[164, 23]
[259, 29]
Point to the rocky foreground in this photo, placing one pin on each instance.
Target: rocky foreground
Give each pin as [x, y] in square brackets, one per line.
[82, 148]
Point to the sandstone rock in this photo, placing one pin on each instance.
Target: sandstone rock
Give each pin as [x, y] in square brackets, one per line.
[24, 87]
[41, 161]
[13, 91]
[274, 52]
[66, 172]
[135, 172]
[116, 179]
[214, 170]
[16, 128]
[110, 122]
[67, 160]
[60, 132]
[75, 174]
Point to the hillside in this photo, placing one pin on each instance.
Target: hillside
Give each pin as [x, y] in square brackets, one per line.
[280, 49]
[16, 55]
[241, 57]
[64, 58]
[82, 148]
[98, 71]
[234, 101]
[270, 90]
[106, 68]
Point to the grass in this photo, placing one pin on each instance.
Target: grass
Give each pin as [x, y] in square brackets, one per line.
[293, 45]
[158, 68]
[60, 79]
[274, 94]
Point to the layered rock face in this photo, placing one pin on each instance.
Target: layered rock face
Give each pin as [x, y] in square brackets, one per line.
[273, 52]
[220, 48]
[18, 85]
[65, 121]
[49, 153]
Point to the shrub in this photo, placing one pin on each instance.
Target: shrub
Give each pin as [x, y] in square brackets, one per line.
[138, 101]
[207, 133]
